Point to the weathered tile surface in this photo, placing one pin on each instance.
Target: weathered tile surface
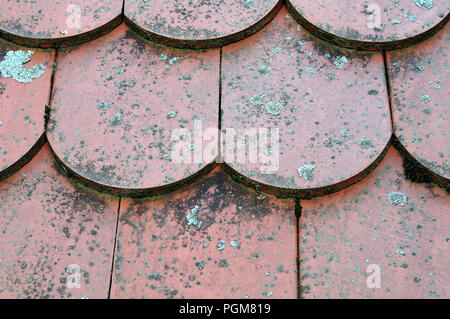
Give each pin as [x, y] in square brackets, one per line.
[419, 79]
[48, 228]
[213, 240]
[366, 24]
[117, 102]
[330, 106]
[384, 220]
[199, 24]
[46, 23]
[24, 92]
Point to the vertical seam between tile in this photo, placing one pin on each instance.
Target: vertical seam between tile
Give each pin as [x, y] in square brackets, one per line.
[298, 214]
[50, 97]
[111, 276]
[219, 138]
[388, 83]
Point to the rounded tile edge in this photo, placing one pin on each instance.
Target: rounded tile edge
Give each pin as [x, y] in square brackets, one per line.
[416, 171]
[128, 191]
[364, 45]
[309, 193]
[204, 43]
[62, 42]
[25, 159]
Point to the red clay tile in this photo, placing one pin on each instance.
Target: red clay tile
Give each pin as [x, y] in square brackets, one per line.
[24, 92]
[419, 78]
[199, 24]
[48, 23]
[379, 25]
[117, 102]
[54, 236]
[215, 240]
[330, 106]
[384, 223]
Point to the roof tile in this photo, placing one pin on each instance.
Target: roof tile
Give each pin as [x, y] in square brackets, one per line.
[380, 25]
[56, 240]
[199, 24]
[330, 106]
[213, 240]
[383, 225]
[22, 105]
[118, 103]
[136, 118]
[49, 23]
[419, 78]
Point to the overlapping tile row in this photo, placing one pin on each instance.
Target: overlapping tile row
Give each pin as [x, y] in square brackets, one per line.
[199, 24]
[419, 78]
[216, 239]
[180, 23]
[25, 81]
[385, 237]
[330, 106]
[371, 25]
[54, 23]
[56, 239]
[364, 24]
[120, 106]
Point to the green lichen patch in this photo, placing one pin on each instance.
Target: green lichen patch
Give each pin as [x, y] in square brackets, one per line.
[307, 172]
[12, 67]
[397, 198]
[191, 217]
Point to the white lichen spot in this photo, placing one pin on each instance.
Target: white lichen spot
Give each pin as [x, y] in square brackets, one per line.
[12, 67]
[1, 123]
[264, 69]
[426, 98]
[418, 68]
[163, 57]
[116, 119]
[273, 107]
[397, 198]
[257, 99]
[104, 106]
[289, 17]
[234, 243]
[340, 61]
[365, 142]
[191, 217]
[249, 3]
[221, 245]
[427, 4]
[173, 60]
[345, 132]
[307, 172]
[172, 115]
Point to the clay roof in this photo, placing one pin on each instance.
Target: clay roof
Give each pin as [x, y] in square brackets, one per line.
[239, 149]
